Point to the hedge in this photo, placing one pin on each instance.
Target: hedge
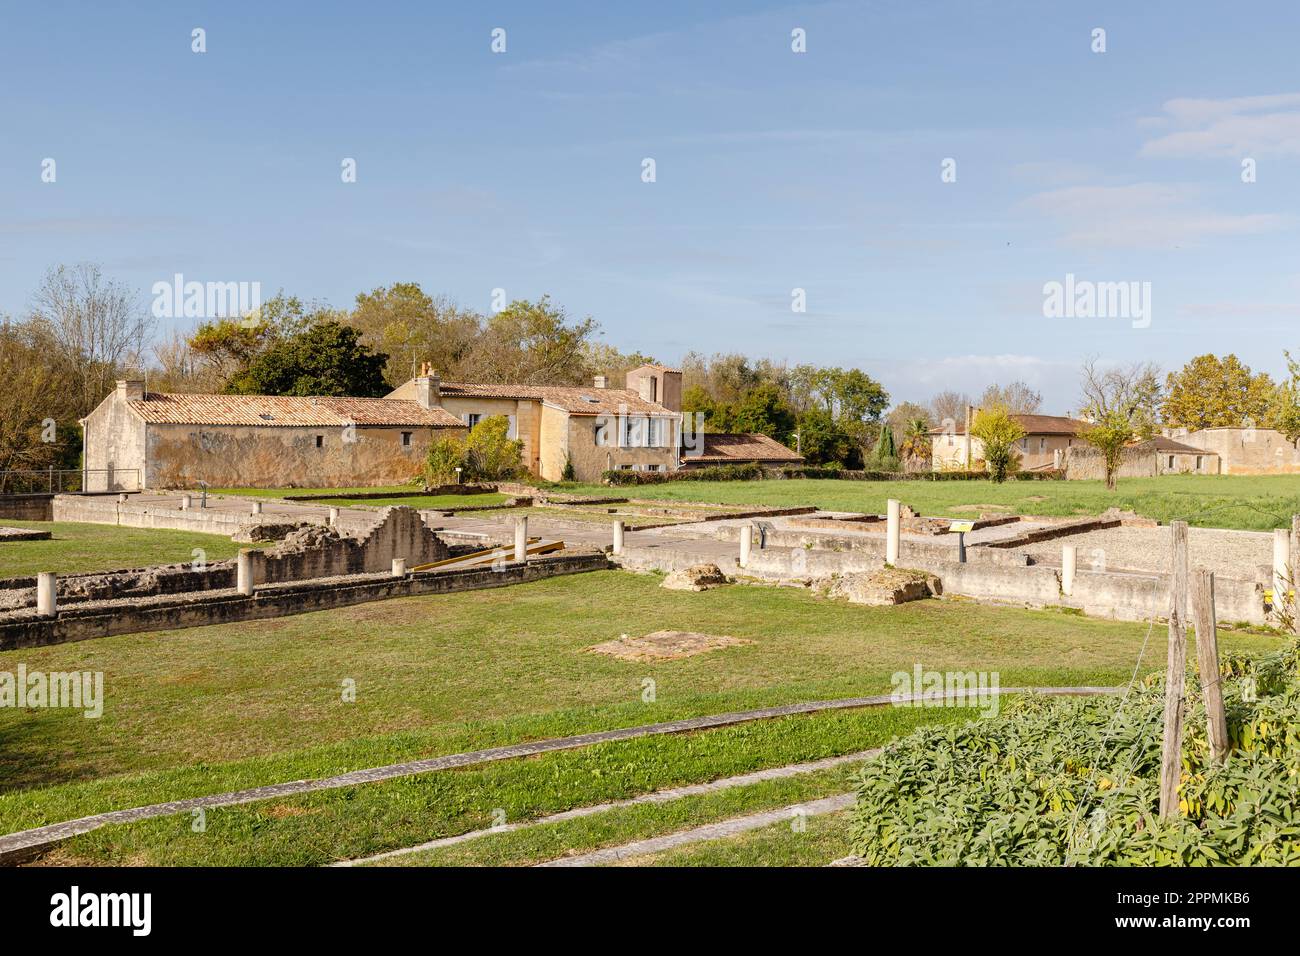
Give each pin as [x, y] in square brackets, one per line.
[1060, 781]
[752, 472]
[747, 472]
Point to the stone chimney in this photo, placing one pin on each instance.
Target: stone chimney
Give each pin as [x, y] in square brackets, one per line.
[599, 381]
[428, 387]
[130, 390]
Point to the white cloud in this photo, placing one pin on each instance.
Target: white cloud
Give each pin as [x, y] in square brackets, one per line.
[1142, 215]
[1227, 127]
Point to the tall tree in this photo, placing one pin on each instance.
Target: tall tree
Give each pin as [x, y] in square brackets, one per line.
[327, 359]
[949, 407]
[98, 324]
[412, 327]
[1121, 405]
[38, 403]
[1017, 398]
[998, 433]
[1213, 392]
[532, 343]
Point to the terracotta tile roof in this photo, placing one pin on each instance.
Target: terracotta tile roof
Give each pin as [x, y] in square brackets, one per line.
[1033, 425]
[285, 411]
[736, 448]
[1162, 443]
[576, 400]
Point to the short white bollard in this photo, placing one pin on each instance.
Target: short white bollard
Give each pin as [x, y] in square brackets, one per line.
[399, 567]
[257, 507]
[121, 499]
[618, 537]
[746, 544]
[47, 594]
[244, 572]
[185, 502]
[334, 517]
[521, 538]
[1069, 558]
[1281, 561]
[893, 531]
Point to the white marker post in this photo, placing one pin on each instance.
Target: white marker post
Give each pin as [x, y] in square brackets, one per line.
[47, 594]
[521, 538]
[334, 516]
[1069, 560]
[399, 567]
[893, 531]
[618, 537]
[257, 507]
[244, 572]
[185, 502]
[746, 544]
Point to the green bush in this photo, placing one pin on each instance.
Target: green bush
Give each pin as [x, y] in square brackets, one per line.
[748, 472]
[1056, 781]
[489, 454]
[440, 464]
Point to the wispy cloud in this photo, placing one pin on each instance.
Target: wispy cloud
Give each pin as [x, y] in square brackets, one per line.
[1142, 215]
[1227, 127]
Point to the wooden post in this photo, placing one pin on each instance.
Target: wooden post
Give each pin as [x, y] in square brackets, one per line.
[1171, 752]
[1207, 658]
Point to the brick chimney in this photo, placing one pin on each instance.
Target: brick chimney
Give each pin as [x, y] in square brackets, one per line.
[130, 390]
[428, 387]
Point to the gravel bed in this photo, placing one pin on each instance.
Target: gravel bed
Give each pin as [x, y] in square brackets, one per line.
[1232, 554]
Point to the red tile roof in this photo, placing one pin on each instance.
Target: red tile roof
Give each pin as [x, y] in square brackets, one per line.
[720, 448]
[576, 400]
[1033, 425]
[286, 411]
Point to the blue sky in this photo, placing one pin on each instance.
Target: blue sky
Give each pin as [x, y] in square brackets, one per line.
[774, 170]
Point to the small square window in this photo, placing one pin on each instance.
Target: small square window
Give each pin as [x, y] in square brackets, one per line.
[406, 439]
[320, 441]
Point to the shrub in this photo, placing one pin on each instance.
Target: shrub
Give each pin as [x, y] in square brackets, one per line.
[440, 464]
[998, 432]
[489, 454]
[1057, 781]
[568, 473]
[746, 472]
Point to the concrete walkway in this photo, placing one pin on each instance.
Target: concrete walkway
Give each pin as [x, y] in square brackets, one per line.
[710, 831]
[25, 843]
[658, 796]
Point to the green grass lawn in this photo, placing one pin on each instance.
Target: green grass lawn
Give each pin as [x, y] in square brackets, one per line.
[1222, 501]
[210, 709]
[825, 838]
[78, 548]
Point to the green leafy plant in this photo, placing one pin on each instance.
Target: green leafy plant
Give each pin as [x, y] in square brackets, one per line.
[998, 432]
[490, 454]
[440, 464]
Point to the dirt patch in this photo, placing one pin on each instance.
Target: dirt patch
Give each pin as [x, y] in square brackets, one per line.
[1000, 509]
[279, 811]
[665, 646]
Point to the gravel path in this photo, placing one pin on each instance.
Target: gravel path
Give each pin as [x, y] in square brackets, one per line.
[1232, 554]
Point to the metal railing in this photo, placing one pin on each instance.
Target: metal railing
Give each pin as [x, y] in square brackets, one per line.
[68, 481]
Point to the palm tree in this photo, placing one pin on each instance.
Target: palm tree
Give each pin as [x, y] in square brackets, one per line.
[916, 441]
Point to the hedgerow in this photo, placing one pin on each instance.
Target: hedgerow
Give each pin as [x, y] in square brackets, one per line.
[1056, 781]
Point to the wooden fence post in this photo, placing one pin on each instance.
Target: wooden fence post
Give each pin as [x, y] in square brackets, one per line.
[1171, 752]
[1207, 658]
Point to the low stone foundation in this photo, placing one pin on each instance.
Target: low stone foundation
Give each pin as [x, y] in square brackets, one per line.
[167, 612]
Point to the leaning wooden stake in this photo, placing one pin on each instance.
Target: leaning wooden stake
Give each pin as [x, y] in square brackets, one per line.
[1171, 754]
[1207, 658]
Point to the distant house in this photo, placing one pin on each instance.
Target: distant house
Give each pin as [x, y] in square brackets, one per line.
[1178, 458]
[1245, 451]
[596, 428]
[713, 449]
[136, 439]
[1046, 439]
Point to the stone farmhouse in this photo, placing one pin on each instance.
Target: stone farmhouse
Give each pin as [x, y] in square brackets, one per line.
[1047, 438]
[136, 439]
[1052, 442]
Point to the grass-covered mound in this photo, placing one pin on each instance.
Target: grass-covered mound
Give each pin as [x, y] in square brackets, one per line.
[1056, 781]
